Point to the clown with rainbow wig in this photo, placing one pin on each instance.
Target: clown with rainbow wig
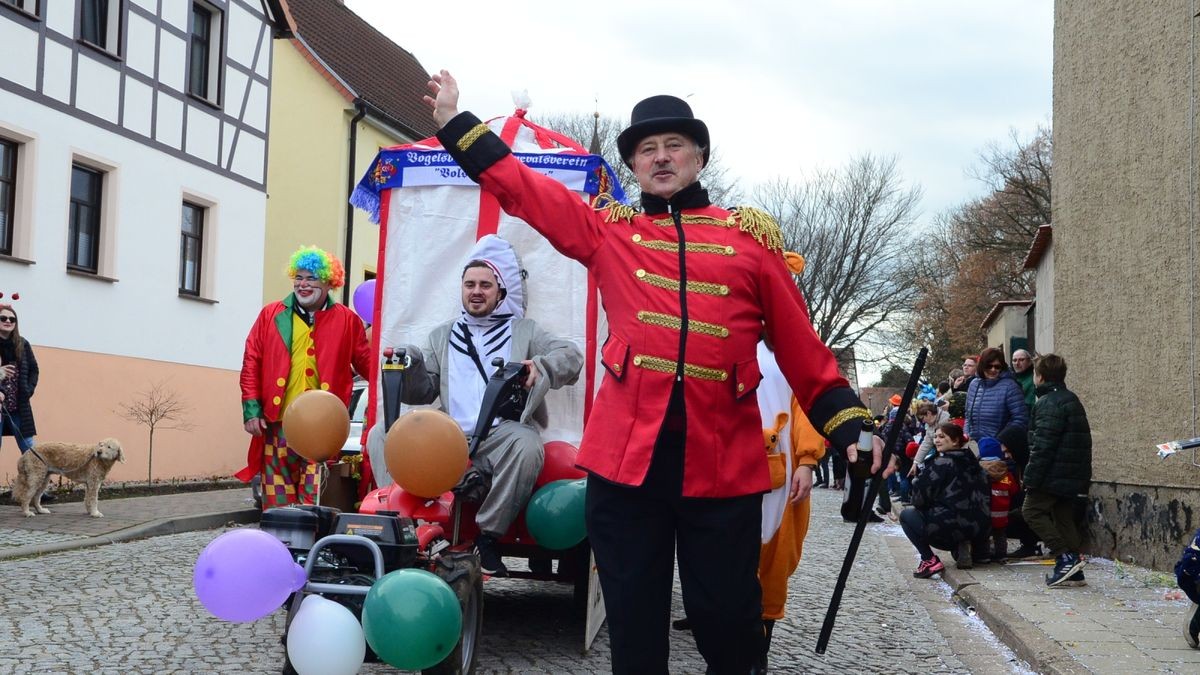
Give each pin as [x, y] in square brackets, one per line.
[305, 341]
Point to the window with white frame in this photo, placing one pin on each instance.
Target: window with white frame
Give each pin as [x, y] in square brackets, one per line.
[8, 194]
[100, 24]
[191, 248]
[204, 52]
[83, 227]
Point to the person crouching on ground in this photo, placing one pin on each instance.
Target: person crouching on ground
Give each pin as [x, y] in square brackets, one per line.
[1187, 574]
[951, 503]
[1059, 469]
[1004, 489]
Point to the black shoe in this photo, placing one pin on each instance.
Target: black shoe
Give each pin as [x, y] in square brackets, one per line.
[1065, 565]
[962, 556]
[1076, 579]
[1191, 628]
[490, 562]
[1026, 551]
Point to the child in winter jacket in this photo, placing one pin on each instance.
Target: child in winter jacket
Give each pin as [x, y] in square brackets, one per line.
[1004, 489]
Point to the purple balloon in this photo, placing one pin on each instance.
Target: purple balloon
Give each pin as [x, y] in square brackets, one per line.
[245, 575]
[364, 300]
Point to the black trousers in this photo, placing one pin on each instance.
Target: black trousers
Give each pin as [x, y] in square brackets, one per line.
[634, 532]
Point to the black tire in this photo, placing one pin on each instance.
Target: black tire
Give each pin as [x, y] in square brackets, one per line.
[461, 571]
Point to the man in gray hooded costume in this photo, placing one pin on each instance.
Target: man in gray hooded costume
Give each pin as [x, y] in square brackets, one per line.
[453, 367]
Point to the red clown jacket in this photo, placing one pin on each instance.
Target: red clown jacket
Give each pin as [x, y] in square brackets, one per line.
[684, 299]
[340, 342]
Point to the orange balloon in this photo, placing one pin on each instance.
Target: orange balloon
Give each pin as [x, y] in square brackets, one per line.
[316, 425]
[426, 452]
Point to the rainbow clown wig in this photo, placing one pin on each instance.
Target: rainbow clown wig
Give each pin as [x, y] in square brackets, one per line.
[319, 263]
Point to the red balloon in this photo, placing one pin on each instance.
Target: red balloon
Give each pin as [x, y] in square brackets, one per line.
[559, 464]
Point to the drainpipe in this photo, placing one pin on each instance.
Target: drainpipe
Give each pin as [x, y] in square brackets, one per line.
[351, 179]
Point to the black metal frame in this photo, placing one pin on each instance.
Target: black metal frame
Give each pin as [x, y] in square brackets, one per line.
[197, 238]
[96, 202]
[8, 175]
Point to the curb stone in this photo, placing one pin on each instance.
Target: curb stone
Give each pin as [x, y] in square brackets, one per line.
[153, 528]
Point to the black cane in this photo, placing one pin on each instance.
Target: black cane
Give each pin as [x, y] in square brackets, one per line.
[872, 488]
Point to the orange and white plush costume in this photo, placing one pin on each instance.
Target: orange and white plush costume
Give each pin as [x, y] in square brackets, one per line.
[797, 443]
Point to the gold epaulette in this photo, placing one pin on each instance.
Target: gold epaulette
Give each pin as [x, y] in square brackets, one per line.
[760, 225]
[615, 209]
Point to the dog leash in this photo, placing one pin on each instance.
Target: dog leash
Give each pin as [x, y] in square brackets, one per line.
[50, 468]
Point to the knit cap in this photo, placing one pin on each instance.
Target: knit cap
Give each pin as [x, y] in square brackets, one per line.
[989, 448]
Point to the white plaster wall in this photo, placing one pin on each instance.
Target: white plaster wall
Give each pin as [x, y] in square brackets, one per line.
[56, 78]
[248, 157]
[152, 5]
[18, 53]
[264, 56]
[235, 90]
[139, 315]
[60, 16]
[98, 88]
[202, 133]
[169, 126]
[140, 51]
[243, 34]
[172, 63]
[139, 100]
[227, 142]
[256, 106]
[175, 12]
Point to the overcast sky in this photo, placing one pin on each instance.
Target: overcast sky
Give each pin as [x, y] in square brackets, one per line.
[785, 86]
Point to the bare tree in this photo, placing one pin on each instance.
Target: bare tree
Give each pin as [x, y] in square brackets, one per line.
[853, 226]
[158, 407]
[722, 185]
[973, 256]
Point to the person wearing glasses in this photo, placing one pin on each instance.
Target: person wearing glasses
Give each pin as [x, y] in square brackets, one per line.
[305, 341]
[994, 399]
[18, 380]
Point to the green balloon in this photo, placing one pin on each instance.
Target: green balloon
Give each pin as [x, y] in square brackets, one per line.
[554, 515]
[411, 619]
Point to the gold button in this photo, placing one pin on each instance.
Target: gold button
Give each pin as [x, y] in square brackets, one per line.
[640, 273]
[724, 332]
[617, 366]
[324, 386]
[637, 360]
[724, 290]
[637, 237]
[280, 382]
[276, 400]
[728, 250]
[741, 387]
[724, 376]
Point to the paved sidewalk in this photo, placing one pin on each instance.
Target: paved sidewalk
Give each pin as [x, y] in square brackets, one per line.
[1127, 619]
[70, 527]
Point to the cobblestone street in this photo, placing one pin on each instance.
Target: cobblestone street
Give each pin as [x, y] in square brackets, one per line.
[129, 608]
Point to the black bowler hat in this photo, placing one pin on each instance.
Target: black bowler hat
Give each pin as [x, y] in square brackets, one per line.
[659, 115]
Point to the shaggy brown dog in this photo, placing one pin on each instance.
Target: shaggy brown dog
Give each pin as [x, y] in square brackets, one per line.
[87, 464]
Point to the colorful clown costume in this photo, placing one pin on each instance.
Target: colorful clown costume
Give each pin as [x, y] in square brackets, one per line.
[285, 357]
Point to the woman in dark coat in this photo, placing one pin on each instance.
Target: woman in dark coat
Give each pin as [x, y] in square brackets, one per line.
[19, 364]
[951, 503]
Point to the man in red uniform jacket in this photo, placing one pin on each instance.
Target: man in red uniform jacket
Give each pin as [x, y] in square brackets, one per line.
[306, 341]
[673, 446]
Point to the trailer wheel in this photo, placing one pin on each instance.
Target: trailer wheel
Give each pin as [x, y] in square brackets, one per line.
[461, 571]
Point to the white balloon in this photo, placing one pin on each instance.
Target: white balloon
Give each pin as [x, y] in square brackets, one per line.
[325, 639]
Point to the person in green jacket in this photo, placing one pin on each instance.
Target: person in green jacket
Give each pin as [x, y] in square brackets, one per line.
[1022, 369]
[1059, 469]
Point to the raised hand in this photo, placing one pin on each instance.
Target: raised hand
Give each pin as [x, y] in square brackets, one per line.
[444, 98]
